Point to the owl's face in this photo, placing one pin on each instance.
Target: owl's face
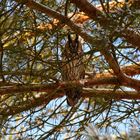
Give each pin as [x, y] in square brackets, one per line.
[73, 47]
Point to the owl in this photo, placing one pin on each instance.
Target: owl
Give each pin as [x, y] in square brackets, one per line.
[73, 68]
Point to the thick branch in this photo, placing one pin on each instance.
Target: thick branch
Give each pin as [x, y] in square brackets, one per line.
[111, 61]
[83, 5]
[36, 102]
[59, 87]
[129, 70]
[45, 99]
[132, 37]
[111, 94]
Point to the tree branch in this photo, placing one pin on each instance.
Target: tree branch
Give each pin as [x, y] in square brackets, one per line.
[59, 87]
[45, 99]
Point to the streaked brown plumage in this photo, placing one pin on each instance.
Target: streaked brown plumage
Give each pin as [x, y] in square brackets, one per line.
[73, 68]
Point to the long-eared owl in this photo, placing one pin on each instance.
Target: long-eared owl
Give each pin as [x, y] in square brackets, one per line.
[73, 68]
